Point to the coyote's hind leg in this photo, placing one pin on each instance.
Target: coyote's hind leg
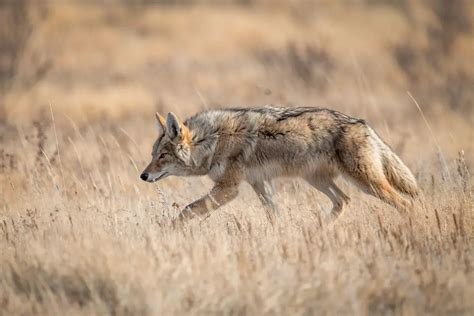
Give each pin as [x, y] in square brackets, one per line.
[332, 191]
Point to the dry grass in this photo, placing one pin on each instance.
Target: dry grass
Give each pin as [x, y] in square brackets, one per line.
[84, 236]
[80, 234]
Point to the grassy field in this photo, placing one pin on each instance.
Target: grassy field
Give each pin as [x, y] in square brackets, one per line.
[80, 234]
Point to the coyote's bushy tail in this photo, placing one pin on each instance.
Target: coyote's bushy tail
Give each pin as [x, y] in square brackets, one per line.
[374, 167]
[397, 174]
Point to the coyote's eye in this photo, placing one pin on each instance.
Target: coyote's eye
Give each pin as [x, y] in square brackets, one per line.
[163, 155]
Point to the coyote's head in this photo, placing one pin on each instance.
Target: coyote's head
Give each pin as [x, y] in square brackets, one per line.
[171, 155]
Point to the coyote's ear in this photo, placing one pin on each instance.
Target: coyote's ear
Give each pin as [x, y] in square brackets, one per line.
[176, 130]
[173, 127]
[160, 124]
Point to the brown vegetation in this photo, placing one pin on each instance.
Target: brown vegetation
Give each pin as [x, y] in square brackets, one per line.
[79, 232]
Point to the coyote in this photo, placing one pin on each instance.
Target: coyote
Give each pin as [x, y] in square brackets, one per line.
[259, 144]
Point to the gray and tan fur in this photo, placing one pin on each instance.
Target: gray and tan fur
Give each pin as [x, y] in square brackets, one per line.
[259, 144]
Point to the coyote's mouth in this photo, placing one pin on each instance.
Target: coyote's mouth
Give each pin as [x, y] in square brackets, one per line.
[161, 176]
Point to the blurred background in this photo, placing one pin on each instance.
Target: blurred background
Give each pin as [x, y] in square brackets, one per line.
[117, 58]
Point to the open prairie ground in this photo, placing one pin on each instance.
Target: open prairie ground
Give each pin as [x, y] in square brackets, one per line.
[81, 234]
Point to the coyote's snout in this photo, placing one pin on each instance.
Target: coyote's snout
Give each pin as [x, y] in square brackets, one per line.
[259, 144]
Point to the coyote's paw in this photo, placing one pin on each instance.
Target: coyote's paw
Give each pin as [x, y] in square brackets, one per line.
[333, 215]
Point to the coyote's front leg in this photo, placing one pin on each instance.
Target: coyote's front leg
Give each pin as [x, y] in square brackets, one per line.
[225, 189]
[220, 194]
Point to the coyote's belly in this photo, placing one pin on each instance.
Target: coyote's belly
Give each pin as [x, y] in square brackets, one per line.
[297, 167]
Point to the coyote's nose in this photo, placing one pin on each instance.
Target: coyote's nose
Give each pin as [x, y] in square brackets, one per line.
[144, 176]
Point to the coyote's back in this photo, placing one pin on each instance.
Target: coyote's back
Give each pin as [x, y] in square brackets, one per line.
[259, 144]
